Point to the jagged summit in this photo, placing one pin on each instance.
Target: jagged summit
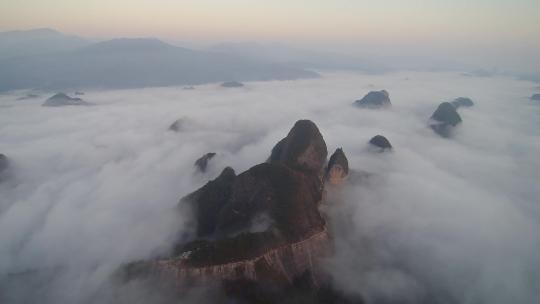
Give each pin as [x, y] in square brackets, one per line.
[274, 189]
[303, 148]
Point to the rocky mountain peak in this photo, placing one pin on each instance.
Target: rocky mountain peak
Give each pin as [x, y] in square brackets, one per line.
[62, 99]
[202, 162]
[263, 226]
[381, 142]
[444, 119]
[304, 148]
[374, 100]
[337, 168]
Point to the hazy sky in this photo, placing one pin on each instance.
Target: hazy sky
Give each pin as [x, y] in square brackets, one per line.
[506, 27]
[308, 20]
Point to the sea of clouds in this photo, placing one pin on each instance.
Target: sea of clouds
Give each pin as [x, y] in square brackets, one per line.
[440, 221]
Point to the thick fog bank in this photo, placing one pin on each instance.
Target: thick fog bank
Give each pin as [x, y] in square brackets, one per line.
[441, 221]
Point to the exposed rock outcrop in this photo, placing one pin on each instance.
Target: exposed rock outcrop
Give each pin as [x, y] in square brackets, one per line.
[303, 148]
[79, 93]
[61, 99]
[535, 97]
[444, 119]
[374, 100]
[255, 257]
[337, 168]
[462, 102]
[261, 228]
[202, 162]
[381, 142]
[232, 84]
[231, 242]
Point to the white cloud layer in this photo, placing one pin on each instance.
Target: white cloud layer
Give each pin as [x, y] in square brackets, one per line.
[453, 220]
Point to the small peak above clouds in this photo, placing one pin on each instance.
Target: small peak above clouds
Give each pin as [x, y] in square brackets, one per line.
[61, 99]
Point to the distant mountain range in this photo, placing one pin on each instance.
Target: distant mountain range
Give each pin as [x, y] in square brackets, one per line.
[46, 59]
[37, 42]
[301, 58]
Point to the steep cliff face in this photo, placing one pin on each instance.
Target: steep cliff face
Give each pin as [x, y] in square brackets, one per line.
[281, 264]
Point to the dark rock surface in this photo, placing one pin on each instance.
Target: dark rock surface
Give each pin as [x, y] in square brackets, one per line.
[79, 93]
[303, 149]
[374, 100]
[61, 99]
[444, 119]
[209, 200]
[462, 102]
[232, 84]
[337, 168]
[289, 198]
[535, 97]
[202, 162]
[380, 142]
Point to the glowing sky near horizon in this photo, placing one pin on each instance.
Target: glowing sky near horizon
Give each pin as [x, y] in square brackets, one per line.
[311, 21]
